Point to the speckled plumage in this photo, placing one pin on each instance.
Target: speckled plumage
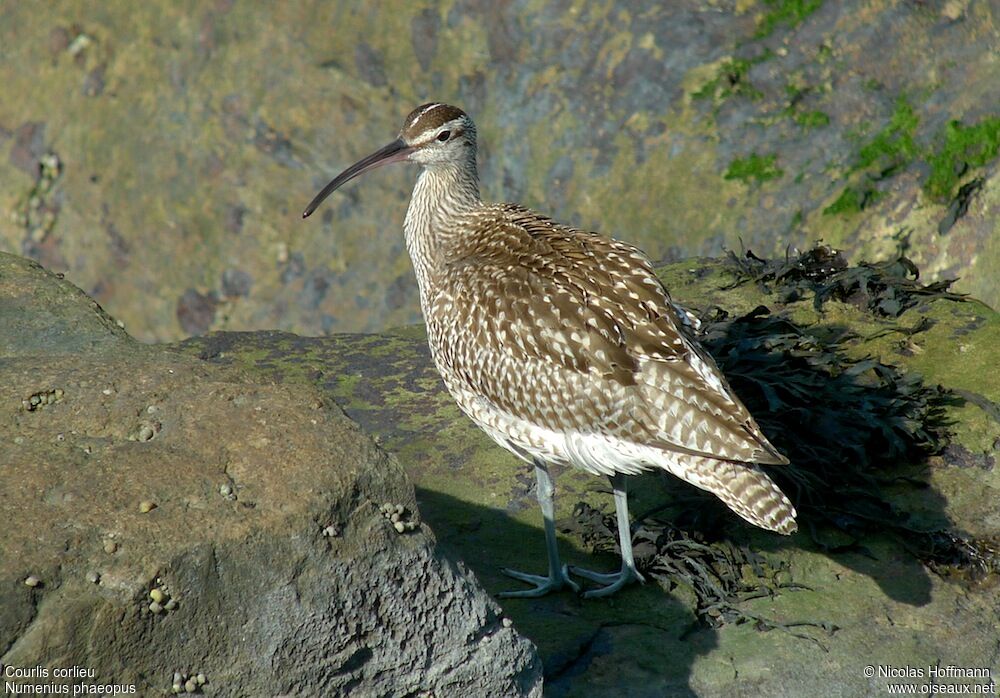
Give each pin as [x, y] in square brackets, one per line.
[562, 344]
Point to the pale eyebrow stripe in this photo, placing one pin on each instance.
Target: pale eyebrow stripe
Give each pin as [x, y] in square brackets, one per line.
[422, 112]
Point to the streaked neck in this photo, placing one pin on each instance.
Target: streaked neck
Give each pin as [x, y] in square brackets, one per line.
[442, 194]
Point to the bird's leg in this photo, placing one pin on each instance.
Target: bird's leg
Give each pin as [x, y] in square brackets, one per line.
[558, 574]
[616, 580]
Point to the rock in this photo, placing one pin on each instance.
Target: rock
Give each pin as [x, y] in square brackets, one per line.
[269, 606]
[647, 129]
[39, 316]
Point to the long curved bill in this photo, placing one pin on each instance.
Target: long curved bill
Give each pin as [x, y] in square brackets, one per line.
[394, 152]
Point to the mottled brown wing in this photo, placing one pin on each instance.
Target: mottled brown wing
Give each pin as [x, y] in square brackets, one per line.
[574, 330]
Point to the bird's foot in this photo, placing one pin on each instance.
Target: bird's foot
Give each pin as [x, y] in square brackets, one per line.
[543, 585]
[612, 582]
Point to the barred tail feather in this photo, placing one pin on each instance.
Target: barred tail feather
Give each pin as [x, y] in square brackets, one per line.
[754, 496]
[744, 488]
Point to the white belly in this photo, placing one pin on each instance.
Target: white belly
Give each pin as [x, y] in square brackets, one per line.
[599, 454]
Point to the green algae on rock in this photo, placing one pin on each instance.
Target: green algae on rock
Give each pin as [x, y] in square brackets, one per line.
[960, 149]
[754, 167]
[789, 13]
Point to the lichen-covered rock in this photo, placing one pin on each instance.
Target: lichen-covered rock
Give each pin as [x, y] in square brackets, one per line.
[165, 160]
[176, 516]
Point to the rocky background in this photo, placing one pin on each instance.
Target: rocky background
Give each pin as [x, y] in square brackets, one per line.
[159, 154]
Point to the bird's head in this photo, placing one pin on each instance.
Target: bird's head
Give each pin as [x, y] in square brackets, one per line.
[433, 135]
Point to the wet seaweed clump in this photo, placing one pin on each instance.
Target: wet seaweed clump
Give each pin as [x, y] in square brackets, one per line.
[858, 432]
[885, 288]
[721, 574]
[851, 426]
[954, 556]
[847, 424]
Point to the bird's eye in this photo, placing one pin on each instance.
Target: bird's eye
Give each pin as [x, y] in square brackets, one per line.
[444, 135]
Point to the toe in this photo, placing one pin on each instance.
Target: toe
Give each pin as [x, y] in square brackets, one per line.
[567, 581]
[599, 577]
[524, 593]
[612, 582]
[535, 579]
[542, 585]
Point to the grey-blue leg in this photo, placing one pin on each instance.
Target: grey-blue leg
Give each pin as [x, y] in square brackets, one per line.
[558, 574]
[628, 574]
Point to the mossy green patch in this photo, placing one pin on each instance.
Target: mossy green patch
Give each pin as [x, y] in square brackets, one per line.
[814, 118]
[884, 155]
[758, 168]
[894, 146]
[807, 118]
[848, 202]
[796, 221]
[853, 199]
[732, 79]
[788, 13]
[959, 149]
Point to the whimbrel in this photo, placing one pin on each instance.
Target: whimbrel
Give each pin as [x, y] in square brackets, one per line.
[565, 348]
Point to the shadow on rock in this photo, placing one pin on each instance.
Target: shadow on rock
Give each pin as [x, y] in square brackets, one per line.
[577, 638]
[858, 431]
[850, 427]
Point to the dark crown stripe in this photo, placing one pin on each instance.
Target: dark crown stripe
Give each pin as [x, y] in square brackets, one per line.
[430, 116]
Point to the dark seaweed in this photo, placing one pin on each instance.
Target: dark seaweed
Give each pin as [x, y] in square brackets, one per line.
[885, 289]
[721, 574]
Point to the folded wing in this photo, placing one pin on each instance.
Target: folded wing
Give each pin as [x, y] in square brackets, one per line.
[573, 331]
